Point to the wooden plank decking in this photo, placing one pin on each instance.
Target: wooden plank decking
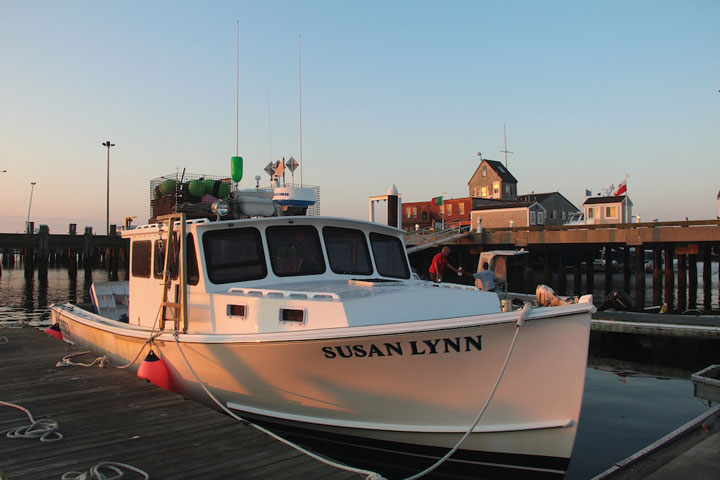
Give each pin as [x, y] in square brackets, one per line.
[107, 414]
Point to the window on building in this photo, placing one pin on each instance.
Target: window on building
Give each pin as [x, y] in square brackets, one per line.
[540, 218]
[484, 170]
[508, 189]
[414, 212]
[449, 209]
[532, 217]
[461, 208]
[408, 212]
[553, 214]
[496, 189]
[563, 214]
[593, 212]
[610, 212]
[424, 215]
[484, 192]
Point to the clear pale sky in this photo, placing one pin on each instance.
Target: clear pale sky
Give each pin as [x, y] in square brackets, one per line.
[403, 92]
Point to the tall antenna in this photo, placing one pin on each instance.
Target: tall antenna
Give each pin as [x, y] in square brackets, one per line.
[269, 126]
[506, 150]
[300, 97]
[237, 93]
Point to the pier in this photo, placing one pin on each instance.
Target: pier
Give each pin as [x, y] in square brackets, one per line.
[107, 414]
[43, 249]
[669, 251]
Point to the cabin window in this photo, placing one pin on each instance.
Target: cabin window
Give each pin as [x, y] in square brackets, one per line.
[484, 192]
[141, 258]
[193, 273]
[347, 251]
[540, 218]
[295, 250]
[532, 217]
[234, 255]
[496, 189]
[159, 258]
[610, 212]
[508, 190]
[389, 254]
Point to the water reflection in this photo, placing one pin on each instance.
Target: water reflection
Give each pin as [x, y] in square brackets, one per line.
[72, 289]
[87, 283]
[29, 292]
[42, 301]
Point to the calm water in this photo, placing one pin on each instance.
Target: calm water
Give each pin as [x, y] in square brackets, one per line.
[630, 399]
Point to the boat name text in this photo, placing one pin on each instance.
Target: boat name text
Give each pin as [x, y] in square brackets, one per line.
[413, 347]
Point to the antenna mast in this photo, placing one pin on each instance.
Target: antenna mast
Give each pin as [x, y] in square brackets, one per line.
[506, 150]
[237, 93]
[269, 125]
[300, 98]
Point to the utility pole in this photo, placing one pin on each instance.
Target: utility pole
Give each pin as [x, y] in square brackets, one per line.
[27, 223]
[107, 211]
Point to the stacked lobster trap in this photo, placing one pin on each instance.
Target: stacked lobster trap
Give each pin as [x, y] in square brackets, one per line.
[190, 193]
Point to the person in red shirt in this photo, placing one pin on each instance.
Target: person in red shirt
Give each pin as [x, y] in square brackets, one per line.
[438, 264]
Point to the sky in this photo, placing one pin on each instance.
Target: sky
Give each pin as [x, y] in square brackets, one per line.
[401, 92]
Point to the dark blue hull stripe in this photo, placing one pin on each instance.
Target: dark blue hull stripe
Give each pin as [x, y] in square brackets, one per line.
[406, 458]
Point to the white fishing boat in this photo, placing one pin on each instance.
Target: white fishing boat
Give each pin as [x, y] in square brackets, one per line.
[315, 327]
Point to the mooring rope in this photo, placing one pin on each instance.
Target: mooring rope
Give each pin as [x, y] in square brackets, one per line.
[370, 475]
[95, 474]
[518, 323]
[103, 360]
[44, 429]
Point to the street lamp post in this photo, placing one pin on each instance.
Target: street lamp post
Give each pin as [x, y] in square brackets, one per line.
[27, 223]
[107, 211]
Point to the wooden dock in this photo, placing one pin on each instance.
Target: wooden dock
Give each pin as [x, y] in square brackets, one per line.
[686, 326]
[691, 451]
[107, 414]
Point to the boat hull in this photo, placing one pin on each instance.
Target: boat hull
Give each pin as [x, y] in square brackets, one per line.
[406, 393]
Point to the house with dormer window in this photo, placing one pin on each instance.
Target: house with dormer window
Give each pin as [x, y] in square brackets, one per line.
[612, 209]
[492, 180]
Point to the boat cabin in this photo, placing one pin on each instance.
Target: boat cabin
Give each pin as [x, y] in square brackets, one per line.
[236, 269]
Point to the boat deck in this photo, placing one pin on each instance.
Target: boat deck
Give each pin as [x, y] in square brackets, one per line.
[107, 414]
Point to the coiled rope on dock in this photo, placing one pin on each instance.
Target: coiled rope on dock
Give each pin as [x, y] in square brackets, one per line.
[15, 324]
[44, 429]
[95, 472]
